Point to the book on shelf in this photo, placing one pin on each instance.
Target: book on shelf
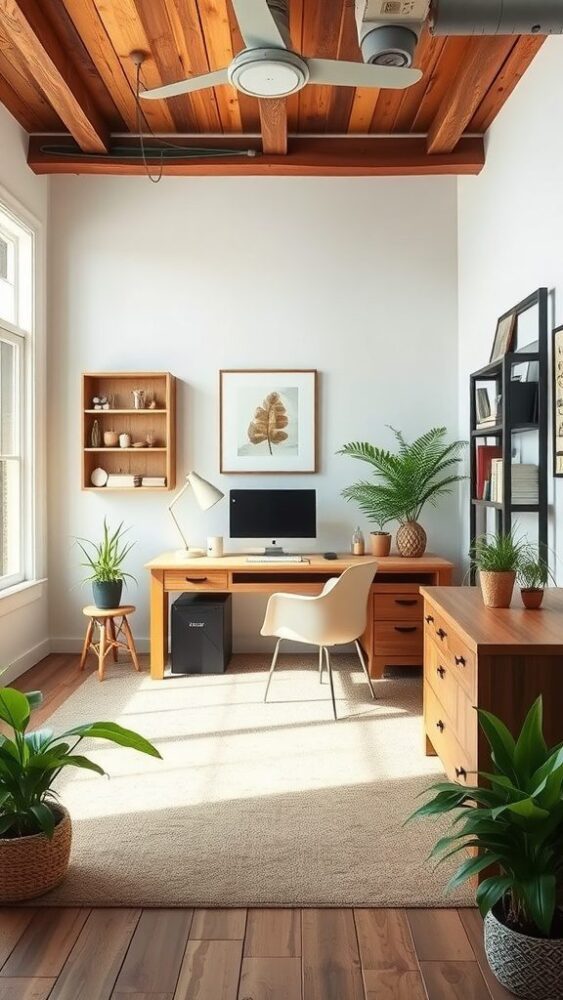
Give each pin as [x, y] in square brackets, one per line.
[485, 454]
[525, 483]
[120, 480]
[154, 480]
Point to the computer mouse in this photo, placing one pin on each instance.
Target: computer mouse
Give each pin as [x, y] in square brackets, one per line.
[331, 555]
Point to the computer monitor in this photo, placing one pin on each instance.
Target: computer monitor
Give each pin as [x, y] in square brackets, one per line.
[273, 514]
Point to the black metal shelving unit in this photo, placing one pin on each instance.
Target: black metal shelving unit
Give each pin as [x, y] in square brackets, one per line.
[500, 374]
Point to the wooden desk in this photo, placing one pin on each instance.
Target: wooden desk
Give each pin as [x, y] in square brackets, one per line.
[394, 632]
[496, 659]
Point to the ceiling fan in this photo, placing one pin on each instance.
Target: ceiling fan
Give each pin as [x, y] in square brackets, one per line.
[388, 31]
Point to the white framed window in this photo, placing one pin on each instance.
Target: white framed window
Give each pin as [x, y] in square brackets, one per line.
[16, 401]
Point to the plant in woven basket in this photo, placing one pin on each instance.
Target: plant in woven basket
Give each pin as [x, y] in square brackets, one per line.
[104, 562]
[498, 558]
[269, 422]
[517, 830]
[405, 481]
[35, 829]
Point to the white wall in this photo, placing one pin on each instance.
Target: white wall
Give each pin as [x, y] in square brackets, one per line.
[511, 226]
[354, 277]
[24, 631]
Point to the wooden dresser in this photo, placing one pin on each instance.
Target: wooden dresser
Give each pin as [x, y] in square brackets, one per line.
[499, 660]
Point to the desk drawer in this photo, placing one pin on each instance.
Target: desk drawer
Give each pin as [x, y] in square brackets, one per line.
[442, 676]
[194, 579]
[460, 764]
[453, 650]
[397, 607]
[392, 638]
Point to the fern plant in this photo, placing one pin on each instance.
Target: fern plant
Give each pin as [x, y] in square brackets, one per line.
[405, 481]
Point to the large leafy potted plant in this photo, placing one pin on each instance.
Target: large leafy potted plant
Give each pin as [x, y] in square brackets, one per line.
[35, 829]
[498, 559]
[104, 561]
[405, 481]
[517, 830]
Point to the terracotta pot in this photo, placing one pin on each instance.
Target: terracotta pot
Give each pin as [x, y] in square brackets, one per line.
[531, 968]
[31, 866]
[411, 540]
[532, 598]
[497, 588]
[380, 543]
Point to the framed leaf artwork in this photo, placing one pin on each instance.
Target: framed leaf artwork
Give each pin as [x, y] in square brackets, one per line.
[268, 420]
[558, 401]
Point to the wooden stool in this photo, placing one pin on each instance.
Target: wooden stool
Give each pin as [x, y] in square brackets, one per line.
[108, 640]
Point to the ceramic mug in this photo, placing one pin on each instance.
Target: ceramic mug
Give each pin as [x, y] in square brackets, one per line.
[124, 440]
[215, 546]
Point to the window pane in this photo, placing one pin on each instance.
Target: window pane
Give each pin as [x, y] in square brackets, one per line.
[7, 280]
[10, 526]
[8, 399]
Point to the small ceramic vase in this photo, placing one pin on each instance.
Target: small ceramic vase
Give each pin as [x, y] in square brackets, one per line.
[95, 435]
[124, 440]
[138, 399]
[111, 439]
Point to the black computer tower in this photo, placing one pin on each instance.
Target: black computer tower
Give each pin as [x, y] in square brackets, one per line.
[202, 633]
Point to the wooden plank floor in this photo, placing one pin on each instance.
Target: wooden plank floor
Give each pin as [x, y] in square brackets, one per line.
[237, 954]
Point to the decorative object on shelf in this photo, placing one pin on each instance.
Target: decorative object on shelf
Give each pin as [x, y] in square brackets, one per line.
[99, 478]
[558, 401]
[36, 830]
[206, 496]
[380, 543]
[139, 444]
[483, 404]
[152, 404]
[358, 543]
[498, 559]
[104, 562]
[111, 439]
[268, 421]
[101, 403]
[534, 575]
[504, 336]
[215, 547]
[138, 399]
[150, 441]
[419, 473]
[95, 435]
[124, 440]
[521, 899]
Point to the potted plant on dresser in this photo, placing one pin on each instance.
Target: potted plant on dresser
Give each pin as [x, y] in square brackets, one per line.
[534, 575]
[104, 561]
[35, 829]
[498, 559]
[405, 481]
[517, 829]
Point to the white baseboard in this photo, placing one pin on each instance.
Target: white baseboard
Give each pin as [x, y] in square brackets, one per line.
[26, 661]
[68, 644]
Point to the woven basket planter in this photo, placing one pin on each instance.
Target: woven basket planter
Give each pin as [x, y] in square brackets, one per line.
[30, 866]
[532, 968]
[497, 589]
[411, 540]
[380, 543]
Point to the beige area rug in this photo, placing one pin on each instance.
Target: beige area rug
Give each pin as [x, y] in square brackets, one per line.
[252, 804]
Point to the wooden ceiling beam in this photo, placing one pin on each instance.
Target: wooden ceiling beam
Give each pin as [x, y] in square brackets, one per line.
[522, 55]
[50, 66]
[273, 124]
[313, 157]
[484, 57]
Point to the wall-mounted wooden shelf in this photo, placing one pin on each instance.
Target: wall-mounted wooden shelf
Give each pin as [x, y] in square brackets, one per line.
[160, 422]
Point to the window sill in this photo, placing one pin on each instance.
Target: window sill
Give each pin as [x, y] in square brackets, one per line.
[23, 593]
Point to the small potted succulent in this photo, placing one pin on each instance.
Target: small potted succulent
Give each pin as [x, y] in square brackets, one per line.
[417, 474]
[35, 829]
[104, 560]
[534, 575]
[515, 823]
[498, 559]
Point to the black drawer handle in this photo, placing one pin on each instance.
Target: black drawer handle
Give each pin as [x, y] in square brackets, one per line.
[441, 672]
[460, 661]
[441, 634]
[440, 725]
[405, 628]
[406, 604]
[196, 579]
[460, 772]
[429, 619]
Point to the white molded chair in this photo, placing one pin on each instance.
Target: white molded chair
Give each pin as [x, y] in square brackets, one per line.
[335, 617]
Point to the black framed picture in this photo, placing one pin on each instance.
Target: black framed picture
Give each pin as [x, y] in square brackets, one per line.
[558, 402]
[504, 336]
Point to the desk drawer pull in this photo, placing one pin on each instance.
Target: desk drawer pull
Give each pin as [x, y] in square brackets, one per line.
[405, 628]
[441, 634]
[440, 725]
[460, 772]
[441, 672]
[429, 619]
[460, 661]
[196, 579]
[406, 603]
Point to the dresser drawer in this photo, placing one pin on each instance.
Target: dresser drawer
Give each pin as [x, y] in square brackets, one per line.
[397, 607]
[443, 678]
[192, 579]
[454, 651]
[460, 764]
[391, 638]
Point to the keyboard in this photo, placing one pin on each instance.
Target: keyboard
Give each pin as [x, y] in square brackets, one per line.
[275, 559]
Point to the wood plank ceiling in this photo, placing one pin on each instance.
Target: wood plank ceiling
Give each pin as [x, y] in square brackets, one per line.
[65, 68]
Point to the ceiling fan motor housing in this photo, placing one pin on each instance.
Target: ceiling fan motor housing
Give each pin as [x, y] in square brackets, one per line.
[496, 17]
[388, 30]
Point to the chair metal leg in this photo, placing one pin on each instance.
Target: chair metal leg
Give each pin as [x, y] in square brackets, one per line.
[329, 671]
[321, 664]
[272, 668]
[365, 669]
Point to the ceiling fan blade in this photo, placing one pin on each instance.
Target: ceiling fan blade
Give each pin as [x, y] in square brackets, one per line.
[186, 86]
[258, 26]
[355, 74]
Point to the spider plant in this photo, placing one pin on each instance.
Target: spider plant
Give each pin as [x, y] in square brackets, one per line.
[533, 571]
[502, 553]
[104, 560]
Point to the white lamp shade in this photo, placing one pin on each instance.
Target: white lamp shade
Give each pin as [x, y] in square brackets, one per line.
[205, 493]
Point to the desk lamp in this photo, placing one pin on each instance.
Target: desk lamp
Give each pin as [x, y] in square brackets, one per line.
[206, 496]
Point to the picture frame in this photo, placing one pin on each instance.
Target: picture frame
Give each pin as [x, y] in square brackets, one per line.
[268, 421]
[558, 402]
[504, 336]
